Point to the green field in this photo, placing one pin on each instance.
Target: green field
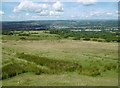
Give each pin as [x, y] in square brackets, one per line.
[47, 59]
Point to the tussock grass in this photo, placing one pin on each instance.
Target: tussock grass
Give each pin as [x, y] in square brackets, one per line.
[18, 66]
[95, 68]
[55, 66]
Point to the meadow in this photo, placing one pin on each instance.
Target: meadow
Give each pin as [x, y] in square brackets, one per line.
[35, 58]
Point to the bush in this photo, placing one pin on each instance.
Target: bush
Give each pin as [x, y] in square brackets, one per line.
[86, 39]
[4, 76]
[7, 33]
[24, 34]
[23, 38]
[100, 40]
[95, 73]
[38, 72]
[77, 38]
[11, 70]
[108, 40]
[19, 67]
[94, 39]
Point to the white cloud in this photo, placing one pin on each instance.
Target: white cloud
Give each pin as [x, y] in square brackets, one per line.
[27, 14]
[101, 13]
[58, 6]
[87, 2]
[72, 16]
[55, 13]
[30, 6]
[44, 13]
[2, 13]
[51, 13]
[116, 11]
[56, 9]
[109, 14]
[96, 13]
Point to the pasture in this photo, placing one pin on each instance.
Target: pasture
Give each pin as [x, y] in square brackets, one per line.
[46, 59]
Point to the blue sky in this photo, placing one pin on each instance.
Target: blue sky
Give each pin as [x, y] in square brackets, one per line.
[58, 10]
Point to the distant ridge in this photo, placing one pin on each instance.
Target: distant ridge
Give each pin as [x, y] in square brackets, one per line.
[56, 24]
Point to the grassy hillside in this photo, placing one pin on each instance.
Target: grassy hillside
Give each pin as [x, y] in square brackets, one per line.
[57, 61]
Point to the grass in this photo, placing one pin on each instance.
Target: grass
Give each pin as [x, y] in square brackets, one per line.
[31, 36]
[49, 59]
[20, 66]
[69, 79]
[58, 66]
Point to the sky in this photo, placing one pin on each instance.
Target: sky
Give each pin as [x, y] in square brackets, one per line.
[21, 10]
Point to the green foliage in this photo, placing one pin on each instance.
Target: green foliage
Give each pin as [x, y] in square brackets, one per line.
[11, 70]
[77, 38]
[94, 39]
[86, 39]
[24, 34]
[100, 40]
[55, 66]
[23, 38]
[17, 67]
[87, 35]
[95, 68]
[7, 33]
[30, 36]
[64, 33]
[44, 65]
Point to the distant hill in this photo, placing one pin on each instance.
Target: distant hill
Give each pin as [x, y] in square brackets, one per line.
[57, 24]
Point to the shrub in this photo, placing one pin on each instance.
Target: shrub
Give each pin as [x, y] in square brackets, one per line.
[95, 73]
[23, 38]
[108, 40]
[24, 34]
[4, 76]
[94, 39]
[86, 39]
[77, 38]
[18, 67]
[100, 40]
[38, 72]
[11, 70]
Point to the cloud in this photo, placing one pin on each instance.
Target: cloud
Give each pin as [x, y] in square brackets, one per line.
[55, 13]
[2, 13]
[58, 6]
[27, 14]
[50, 13]
[56, 9]
[116, 11]
[86, 2]
[101, 13]
[30, 6]
[44, 13]
[96, 13]
[109, 14]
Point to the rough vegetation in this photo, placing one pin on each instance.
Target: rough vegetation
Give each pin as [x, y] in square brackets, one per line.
[48, 53]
